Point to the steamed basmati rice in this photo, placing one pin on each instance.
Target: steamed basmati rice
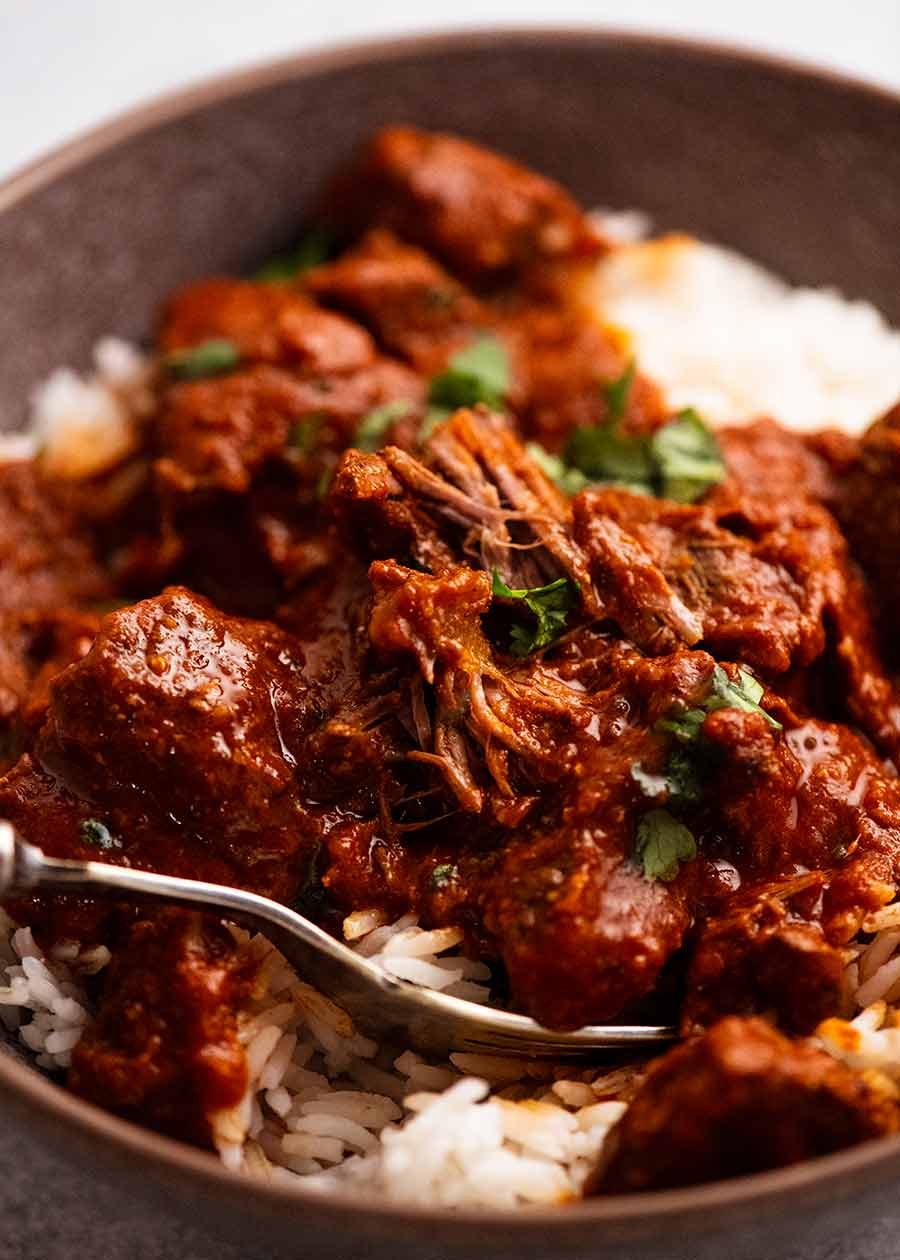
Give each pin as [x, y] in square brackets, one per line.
[328, 1105]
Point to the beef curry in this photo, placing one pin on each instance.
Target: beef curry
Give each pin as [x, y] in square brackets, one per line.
[414, 595]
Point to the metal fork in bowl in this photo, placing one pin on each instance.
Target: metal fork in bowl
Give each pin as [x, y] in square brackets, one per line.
[379, 1004]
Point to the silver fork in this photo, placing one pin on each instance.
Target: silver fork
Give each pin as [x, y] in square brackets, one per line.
[379, 1004]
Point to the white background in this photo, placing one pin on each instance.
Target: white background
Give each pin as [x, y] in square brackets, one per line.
[66, 64]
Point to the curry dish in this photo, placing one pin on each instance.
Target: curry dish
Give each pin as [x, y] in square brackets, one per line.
[412, 595]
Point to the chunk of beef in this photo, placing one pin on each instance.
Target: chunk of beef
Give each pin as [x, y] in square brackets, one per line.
[414, 307]
[756, 583]
[766, 461]
[175, 732]
[811, 819]
[217, 434]
[242, 457]
[759, 956]
[868, 507]
[50, 577]
[164, 1046]
[764, 582]
[479, 212]
[581, 932]
[195, 710]
[479, 493]
[741, 1099]
[814, 797]
[220, 434]
[34, 648]
[563, 360]
[47, 557]
[486, 718]
[267, 324]
[560, 355]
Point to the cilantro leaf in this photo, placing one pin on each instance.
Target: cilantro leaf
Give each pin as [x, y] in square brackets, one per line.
[617, 393]
[477, 374]
[210, 358]
[569, 480]
[372, 428]
[304, 433]
[316, 247]
[687, 457]
[662, 843]
[679, 461]
[745, 694]
[684, 725]
[681, 778]
[443, 875]
[603, 453]
[550, 605]
[97, 835]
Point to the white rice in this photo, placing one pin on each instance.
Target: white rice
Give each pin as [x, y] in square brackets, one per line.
[82, 424]
[722, 334]
[326, 1104]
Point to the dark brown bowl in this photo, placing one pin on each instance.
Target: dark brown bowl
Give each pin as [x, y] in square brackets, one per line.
[797, 168]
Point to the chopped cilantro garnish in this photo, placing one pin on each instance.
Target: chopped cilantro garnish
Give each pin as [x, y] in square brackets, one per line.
[604, 453]
[744, 694]
[304, 433]
[687, 457]
[662, 843]
[98, 836]
[325, 479]
[477, 374]
[210, 358]
[680, 460]
[550, 605]
[617, 393]
[681, 778]
[443, 875]
[372, 428]
[569, 480]
[316, 247]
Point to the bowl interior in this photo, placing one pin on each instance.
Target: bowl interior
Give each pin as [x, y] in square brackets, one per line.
[796, 169]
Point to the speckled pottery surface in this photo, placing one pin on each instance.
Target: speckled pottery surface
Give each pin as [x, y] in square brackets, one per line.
[797, 169]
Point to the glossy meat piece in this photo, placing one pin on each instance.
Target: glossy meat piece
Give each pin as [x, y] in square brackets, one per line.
[267, 323]
[581, 932]
[759, 956]
[34, 648]
[164, 1048]
[741, 1099]
[874, 531]
[811, 820]
[479, 212]
[219, 434]
[415, 308]
[756, 582]
[175, 732]
[813, 796]
[195, 711]
[47, 555]
[766, 461]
